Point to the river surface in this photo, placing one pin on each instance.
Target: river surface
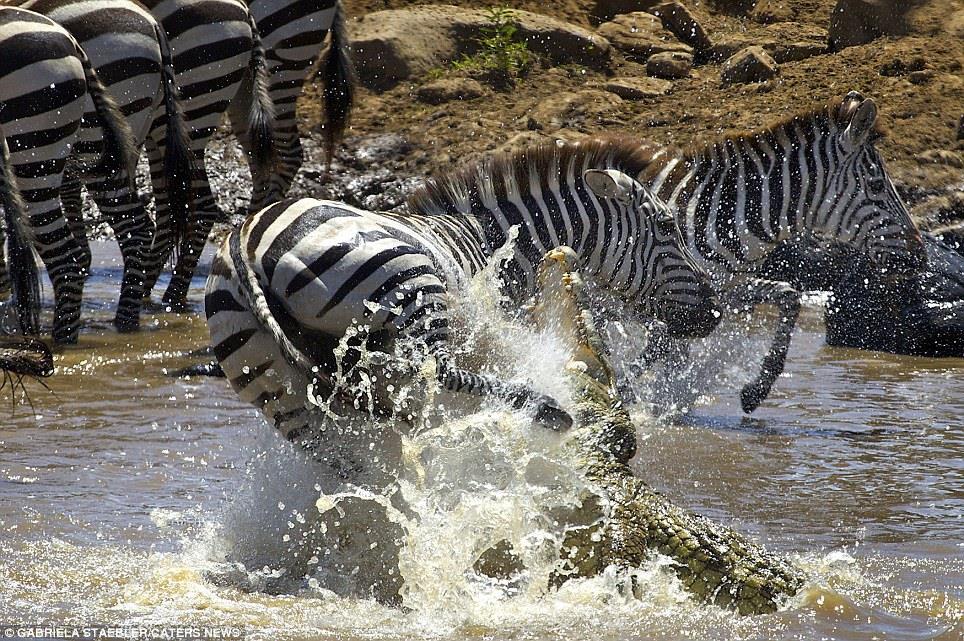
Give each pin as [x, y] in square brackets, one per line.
[122, 487]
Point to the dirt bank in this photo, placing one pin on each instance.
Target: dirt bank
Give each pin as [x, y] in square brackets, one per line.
[921, 111]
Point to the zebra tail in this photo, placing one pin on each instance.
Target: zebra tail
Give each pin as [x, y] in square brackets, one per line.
[24, 275]
[179, 163]
[120, 152]
[339, 80]
[261, 115]
[257, 302]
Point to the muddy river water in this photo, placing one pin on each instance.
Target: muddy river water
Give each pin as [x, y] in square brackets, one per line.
[122, 487]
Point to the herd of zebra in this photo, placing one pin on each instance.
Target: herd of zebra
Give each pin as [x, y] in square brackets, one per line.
[678, 234]
[85, 84]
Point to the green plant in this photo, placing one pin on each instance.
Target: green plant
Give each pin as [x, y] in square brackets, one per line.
[500, 55]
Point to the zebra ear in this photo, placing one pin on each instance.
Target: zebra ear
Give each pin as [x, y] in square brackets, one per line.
[609, 183]
[861, 123]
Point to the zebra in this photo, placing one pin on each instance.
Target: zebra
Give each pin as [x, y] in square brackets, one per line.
[24, 279]
[131, 54]
[816, 174]
[45, 81]
[296, 275]
[293, 32]
[219, 61]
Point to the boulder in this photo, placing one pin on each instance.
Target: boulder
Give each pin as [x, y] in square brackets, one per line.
[639, 35]
[605, 10]
[670, 65]
[857, 22]
[395, 45]
[752, 64]
[448, 89]
[638, 88]
[683, 24]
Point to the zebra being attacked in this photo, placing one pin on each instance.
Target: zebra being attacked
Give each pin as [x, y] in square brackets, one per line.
[300, 274]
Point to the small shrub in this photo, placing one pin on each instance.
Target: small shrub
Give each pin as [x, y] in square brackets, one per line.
[500, 58]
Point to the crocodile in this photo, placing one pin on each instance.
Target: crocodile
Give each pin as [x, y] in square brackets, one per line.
[623, 521]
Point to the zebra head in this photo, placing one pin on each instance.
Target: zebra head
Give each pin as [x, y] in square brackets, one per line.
[861, 206]
[669, 284]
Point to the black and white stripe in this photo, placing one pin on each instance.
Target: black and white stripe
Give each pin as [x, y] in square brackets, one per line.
[45, 81]
[130, 52]
[293, 33]
[218, 59]
[302, 274]
[814, 175]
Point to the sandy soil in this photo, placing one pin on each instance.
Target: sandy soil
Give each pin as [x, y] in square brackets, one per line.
[569, 102]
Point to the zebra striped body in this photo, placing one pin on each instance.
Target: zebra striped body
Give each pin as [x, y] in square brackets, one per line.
[301, 274]
[293, 33]
[130, 52]
[218, 59]
[45, 81]
[816, 175]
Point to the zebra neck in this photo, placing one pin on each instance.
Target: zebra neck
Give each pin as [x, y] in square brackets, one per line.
[734, 201]
[532, 222]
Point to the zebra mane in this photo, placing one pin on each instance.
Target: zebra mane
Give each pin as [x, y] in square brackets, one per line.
[834, 114]
[512, 174]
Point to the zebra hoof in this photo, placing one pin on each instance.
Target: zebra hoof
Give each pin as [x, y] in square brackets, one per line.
[752, 395]
[550, 415]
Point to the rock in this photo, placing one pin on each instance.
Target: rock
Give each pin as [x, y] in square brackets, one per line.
[638, 88]
[729, 45]
[770, 11]
[793, 41]
[941, 157]
[681, 22]
[899, 67]
[605, 10]
[960, 128]
[784, 42]
[391, 46]
[752, 64]
[448, 89]
[570, 110]
[924, 317]
[857, 22]
[670, 65]
[639, 35]
[920, 77]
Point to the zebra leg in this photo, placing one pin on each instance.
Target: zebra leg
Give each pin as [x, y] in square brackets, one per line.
[65, 260]
[134, 232]
[72, 203]
[757, 291]
[190, 251]
[163, 234]
[548, 411]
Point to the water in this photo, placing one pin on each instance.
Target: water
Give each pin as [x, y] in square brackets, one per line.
[126, 494]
